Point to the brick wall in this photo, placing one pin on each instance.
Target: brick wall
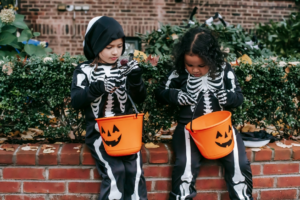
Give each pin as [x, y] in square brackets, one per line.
[65, 34]
[67, 174]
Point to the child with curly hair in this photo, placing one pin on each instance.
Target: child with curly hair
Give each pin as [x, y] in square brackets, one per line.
[201, 74]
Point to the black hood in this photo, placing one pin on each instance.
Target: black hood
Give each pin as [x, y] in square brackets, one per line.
[100, 32]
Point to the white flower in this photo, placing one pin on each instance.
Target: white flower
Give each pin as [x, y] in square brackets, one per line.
[7, 68]
[47, 59]
[43, 44]
[7, 16]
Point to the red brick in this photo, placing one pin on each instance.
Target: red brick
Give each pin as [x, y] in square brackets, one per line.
[289, 168]
[278, 194]
[6, 157]
[96, 174]
[172, 159]
[157, 171]
[255, 169]
[280, 153]
[162, 185]
[225, 196]
[84, 187]
[149, 185]
[44, 187]
[249, 153]
[87, 158]
[9, 187]
[263, 182]
[157, 196]
[211, 184]
[206, 196]
[69, 173]
[70, 197]
[263, 155]
[296, 153]
[26, 157]
[158, 155]
[49, 158]
[288, 181]
[24, 197]
[144, 154]
[209, 171]
[23, 173]
[69, 155]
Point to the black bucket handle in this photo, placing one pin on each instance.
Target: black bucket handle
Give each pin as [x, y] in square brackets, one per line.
[196, 109]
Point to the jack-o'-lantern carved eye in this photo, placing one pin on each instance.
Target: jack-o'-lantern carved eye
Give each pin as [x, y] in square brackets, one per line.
[111, 138]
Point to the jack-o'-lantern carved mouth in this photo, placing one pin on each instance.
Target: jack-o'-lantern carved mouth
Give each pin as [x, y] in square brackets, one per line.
[221, 143]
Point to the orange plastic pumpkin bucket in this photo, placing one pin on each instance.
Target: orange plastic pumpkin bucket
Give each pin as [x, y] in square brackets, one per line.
[121, 135]
[213, 134]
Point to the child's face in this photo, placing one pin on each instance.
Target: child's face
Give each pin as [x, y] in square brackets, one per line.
[195, 65]
[112, 52]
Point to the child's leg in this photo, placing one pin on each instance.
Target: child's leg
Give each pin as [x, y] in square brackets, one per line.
[238, 175]
[135, 184]
[187, 165]
[112, 171]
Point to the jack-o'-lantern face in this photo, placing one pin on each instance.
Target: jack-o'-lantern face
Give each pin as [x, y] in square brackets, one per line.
[111, 139]
[222, 140]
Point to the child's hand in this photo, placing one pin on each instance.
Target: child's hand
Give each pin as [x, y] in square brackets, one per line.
[135, 76]
[130, 66]
[185, 99]
[222, 97]
[110, 85]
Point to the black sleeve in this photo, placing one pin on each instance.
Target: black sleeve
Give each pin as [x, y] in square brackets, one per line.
[235, 95]
[83, 93]
[137, 91]
[168, 89]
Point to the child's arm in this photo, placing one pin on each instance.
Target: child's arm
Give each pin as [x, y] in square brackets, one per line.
[83, 93]
[232, 95]
[168, 92]
[135, 84]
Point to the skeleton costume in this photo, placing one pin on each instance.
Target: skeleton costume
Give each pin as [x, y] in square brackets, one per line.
[221, 93]
[122, 177]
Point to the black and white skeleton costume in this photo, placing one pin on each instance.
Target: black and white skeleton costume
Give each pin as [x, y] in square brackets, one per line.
[93, 89]
[221, 93]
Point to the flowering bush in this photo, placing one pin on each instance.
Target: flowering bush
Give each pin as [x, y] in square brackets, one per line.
[10, 43]
[7, 16]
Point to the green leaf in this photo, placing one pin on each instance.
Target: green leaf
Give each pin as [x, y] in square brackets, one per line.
[34, 50]
[2, 53]
[25, 35]
[6, 38]
[9, 29]
[48, 49]
[19, 17]
[20, 24]
[36, 34]
[16, 44]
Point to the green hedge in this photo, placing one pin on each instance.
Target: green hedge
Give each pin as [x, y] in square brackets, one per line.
[37, 90]
[269, 98]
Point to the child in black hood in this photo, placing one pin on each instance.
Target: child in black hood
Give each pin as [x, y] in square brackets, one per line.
[98, 87]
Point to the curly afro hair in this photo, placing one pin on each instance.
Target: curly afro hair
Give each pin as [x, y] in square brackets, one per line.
[199, 41]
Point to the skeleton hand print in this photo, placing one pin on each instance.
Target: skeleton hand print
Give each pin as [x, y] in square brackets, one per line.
[185, 99]
[130, 66]
[222, 97]
[111, 84]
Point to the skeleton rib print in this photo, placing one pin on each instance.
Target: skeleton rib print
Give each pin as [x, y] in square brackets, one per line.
[204, 84]
[100, 74]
